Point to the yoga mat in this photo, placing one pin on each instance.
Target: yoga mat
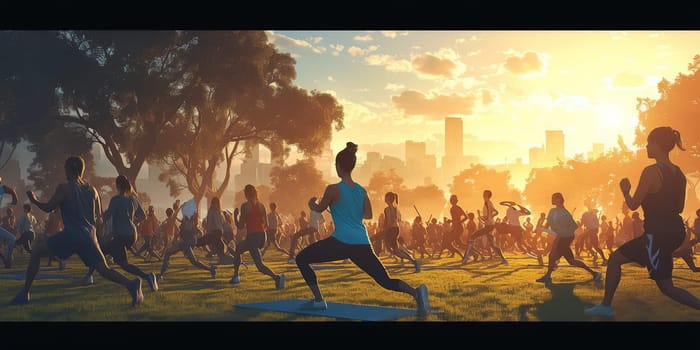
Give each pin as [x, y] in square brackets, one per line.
[335, 310]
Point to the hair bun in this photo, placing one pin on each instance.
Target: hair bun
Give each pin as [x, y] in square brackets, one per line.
[351, 146]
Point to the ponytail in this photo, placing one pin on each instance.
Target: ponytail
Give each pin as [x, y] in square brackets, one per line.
[679, 143]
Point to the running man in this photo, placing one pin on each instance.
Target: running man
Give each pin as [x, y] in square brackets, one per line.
[489, 225]
[563, 225]
[80, 210]
[214, 238]
[591, 225]
[661, 194]
[126, 212]
[349, 205]
[306, 228]
[147, 229]
[272, 233]
[189, 231]
[254, 219]
[514, 228]
[25, 227]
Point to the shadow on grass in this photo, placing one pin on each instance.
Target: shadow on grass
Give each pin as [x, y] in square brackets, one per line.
[563, 306]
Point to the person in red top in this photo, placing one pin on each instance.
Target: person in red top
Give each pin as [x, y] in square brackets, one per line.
[147, 230]
[254, 219]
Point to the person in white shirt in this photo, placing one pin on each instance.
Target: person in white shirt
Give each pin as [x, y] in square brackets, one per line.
[272, 232]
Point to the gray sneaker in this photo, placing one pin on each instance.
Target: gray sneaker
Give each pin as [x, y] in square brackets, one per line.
[87, 280]
[279, 283]
[422, 300]
[153, 281]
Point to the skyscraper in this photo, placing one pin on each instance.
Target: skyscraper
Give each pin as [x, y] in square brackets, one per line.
[454, 145]
[554, 146]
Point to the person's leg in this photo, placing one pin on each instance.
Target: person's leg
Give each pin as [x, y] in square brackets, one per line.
[618, 258]
[189, 253]
[41, 250]
[172, 249]
[329, 249]
[255, 242]
[492, 243]
[555, 254]
[119, 255]
[241, 248]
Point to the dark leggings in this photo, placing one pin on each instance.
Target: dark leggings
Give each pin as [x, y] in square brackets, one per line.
[184, 245]
[297, 236]
[215, 241]
[116, 247]
[26, 241]
[253, 242]
[331, 249]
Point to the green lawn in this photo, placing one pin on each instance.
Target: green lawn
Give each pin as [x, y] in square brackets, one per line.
[481, 291]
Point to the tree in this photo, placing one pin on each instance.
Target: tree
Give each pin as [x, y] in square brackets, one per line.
[469, 186]
[243, 93]
[429, 200]
[294, 185]
[119, 87]
[678, 107]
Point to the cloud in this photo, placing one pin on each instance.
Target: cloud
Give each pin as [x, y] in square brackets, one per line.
[443, 63]
[330, 78]
[393, 34]
[432, 65]
[366, 37]
[390, 63]
[527, 63]
[357, 51]
[413, 102]
[394, 87]
[283, 41]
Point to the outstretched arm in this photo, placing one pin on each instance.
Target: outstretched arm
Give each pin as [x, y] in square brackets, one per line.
[58, 197]
[11, 191]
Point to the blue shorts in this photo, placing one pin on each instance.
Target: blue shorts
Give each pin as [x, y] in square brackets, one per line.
[66, 243]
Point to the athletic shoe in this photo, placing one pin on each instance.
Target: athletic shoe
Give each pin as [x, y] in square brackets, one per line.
[279, 283]
[600, 310]
[21, 298]
[235, 280]
[418, 263]
[135, 291]
[314, 305]
[212, 270]
[161, 277]
[152, 281]
[598, 276]
[87, 280]
[422, 300]
[544, 279]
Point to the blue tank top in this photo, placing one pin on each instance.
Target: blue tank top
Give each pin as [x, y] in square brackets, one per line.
[347, 215]
[78, 212]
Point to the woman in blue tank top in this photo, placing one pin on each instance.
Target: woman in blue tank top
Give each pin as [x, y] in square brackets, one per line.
[661, 194]
[349, 205]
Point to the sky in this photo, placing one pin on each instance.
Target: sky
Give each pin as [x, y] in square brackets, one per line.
[507, 86]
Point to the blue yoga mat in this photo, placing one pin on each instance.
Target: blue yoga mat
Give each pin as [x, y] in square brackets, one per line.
[335, 310]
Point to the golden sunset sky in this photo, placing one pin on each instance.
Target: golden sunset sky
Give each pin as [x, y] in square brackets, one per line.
[508, 86]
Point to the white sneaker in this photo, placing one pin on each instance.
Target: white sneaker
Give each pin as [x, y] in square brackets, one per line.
[153, 281]
[314, 305]
[422, 300]
[279, 284]
[87, 280]
[600, 310]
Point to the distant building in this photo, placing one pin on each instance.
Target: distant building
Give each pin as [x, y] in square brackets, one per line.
[537, 159]
[597, 151]
[554, 147]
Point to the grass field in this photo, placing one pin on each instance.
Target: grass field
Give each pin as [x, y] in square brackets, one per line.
[480, 291]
